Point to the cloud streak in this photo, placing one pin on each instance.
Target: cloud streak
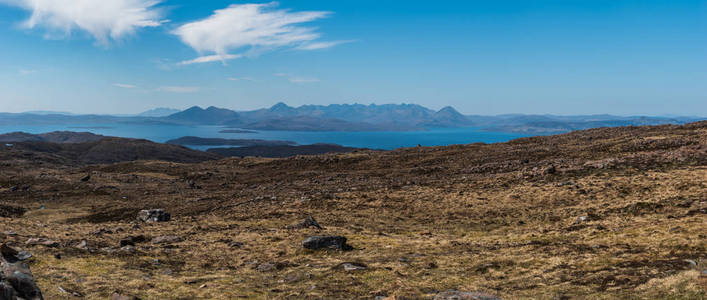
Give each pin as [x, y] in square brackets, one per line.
[297, 79]
[179, 89]
[210, 58]
[124, 86]
[250, 29]
[105, 20]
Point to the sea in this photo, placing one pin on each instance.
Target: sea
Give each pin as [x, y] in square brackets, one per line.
[383, 140]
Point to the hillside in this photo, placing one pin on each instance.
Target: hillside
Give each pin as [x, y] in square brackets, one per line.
[105, 150]
[280, 151]
[610, 213]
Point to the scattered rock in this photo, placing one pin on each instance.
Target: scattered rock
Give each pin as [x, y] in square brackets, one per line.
[118, 296]
[132, 240]
[102, 231]
[457, 295]
[70, 292]
[82, 245]
[308, 222]
[265, 267]
[326, 242]
[581, 219]
[16, 280]
[9, 251]
[86, 178]
[127, 249]
[352, 266]
[166, 239]
[153, 215]
[10, 233]
[235, 244]
[43, 242]
[692, 263]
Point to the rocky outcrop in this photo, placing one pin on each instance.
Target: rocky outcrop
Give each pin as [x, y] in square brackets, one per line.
[153, 215]
[16, 280]
[326, 242]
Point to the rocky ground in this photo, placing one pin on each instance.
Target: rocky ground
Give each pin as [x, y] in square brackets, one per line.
[596, 214]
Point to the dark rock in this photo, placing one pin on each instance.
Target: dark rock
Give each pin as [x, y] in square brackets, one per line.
[306, 223]
[326, 242]
[118, 296]
[9, 251]
[153, 215]
[132, 240]
[235, 244]
[14, 188]
[17, 281]
[86, 178]
[457, 295]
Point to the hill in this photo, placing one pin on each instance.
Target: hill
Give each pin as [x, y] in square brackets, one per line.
[105, 150]
[50, 137]
[610, 213]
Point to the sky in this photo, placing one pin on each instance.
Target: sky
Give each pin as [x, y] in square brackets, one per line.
[568, 57]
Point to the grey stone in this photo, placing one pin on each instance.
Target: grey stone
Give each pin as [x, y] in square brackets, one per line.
[154, 215]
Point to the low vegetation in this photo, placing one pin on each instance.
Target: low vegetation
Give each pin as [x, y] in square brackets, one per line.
[598, 214]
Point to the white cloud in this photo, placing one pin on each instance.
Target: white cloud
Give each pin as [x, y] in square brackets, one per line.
[179, 89]
[124, 86]
[211, 58]
[321, 45]
[251, 29]
[103, 19]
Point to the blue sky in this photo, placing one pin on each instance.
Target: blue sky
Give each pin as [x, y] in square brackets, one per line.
[482, 57]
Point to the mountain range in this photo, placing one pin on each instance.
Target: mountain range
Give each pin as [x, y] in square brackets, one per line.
[349, 117]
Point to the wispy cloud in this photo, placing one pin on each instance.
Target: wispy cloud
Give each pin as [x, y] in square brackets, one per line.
[297, 79]
[321, 45]
[240, 79]
[104, 19]
[27, 72]
[124, 86]
[211, 58]
[179, 89]
[251, 29]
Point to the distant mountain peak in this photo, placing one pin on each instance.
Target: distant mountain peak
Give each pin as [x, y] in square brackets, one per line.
[280, 106]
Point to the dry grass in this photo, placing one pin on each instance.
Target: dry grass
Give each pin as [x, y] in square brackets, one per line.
[423, 220]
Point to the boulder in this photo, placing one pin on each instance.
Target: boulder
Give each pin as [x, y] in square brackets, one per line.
[458, 295]
[16, 280]
[326, 242]
[153, 215]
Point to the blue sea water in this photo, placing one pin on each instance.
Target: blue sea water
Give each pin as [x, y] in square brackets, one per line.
[374, 140]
